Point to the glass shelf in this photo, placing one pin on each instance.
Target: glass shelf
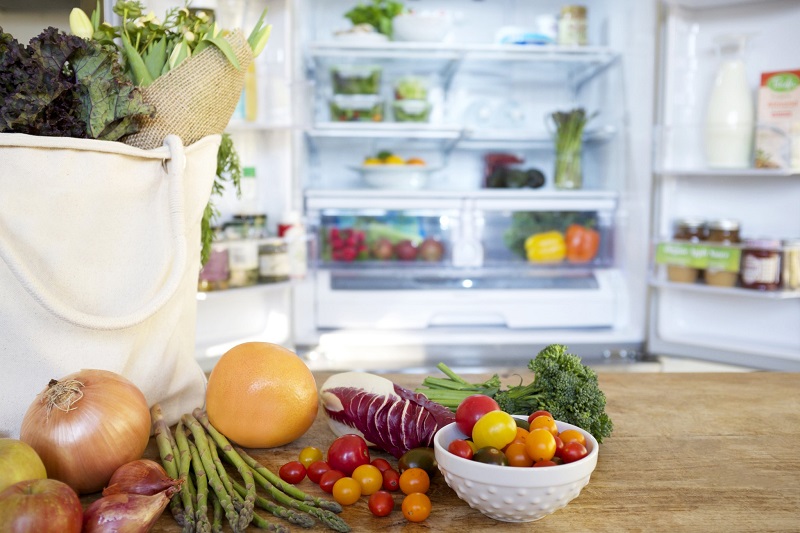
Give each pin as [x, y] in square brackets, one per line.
[724, 291]
[728, 173]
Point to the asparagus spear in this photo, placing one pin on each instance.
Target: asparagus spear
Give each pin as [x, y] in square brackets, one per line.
[241, 466]
[237, 524]
[223, 476]
[288, 488]
[202, 525]
[216, 522]
[166, 444]
[300, 519]
[185, 463]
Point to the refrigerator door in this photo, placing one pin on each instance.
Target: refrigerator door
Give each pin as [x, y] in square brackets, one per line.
[735, 300]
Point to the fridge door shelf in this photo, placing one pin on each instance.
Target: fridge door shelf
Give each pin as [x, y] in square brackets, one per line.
[664, 285]
[385, 302]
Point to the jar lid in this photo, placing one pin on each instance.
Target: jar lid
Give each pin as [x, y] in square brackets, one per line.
[762, 243]
[690, 222]
[790, 242]
[725, 224]
[576, 11]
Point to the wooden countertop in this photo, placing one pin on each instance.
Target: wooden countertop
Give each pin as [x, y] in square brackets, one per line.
[690, 452]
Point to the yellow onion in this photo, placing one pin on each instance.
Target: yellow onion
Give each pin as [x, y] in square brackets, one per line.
[85, 426]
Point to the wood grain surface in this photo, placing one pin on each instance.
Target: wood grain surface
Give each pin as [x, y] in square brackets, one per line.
[689, 452]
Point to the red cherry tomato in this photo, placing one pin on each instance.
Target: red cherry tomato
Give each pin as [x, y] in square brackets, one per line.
[391, 480]
[292, 472]
[329, 479]
[461, 448]
[316, 469]
[471, 409]
[347, 453]
[381, 464]
[539, 413]
[381, 503]
[573, 451]
[559, 446]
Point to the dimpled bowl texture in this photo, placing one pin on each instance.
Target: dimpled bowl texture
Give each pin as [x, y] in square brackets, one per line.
[513, 494]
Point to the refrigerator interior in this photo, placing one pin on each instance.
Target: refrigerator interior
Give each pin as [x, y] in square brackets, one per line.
[485, 99]
[733, 325]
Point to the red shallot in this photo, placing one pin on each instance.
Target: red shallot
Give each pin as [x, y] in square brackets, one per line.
[125, 513]
[141, 476]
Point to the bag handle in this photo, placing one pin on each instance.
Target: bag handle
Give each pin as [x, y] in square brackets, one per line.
[176, 165]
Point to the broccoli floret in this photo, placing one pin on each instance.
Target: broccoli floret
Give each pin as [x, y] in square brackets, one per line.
[565, 387]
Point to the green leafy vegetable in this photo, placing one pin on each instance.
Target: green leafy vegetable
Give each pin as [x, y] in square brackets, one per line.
[379, 14]
[527, 223]
[229, 168]
[562, 384]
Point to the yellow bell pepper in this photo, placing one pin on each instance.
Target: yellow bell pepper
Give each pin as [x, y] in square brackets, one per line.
[547, 247]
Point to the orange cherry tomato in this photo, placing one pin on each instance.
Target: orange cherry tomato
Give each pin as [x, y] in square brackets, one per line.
[517, 455]
[346, 491]
[545, 422]
[369, 477]
[416, 507]
[572, 435]
[414, 480]
[540, 445]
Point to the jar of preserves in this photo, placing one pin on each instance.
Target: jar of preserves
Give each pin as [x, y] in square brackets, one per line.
[686, 230]
[761, 264]
[273, 261]
[572, 26]
[215, 273]
[723, 232]
[791, 264]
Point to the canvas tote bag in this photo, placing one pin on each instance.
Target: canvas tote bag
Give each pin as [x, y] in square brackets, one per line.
[99, 258]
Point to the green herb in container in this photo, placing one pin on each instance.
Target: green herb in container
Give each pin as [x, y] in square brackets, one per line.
[569, 140]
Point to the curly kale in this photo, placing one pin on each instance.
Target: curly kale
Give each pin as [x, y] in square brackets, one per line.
[562, 385]
[62, 85]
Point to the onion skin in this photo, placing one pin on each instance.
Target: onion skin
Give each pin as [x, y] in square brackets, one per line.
[125, 513]
[141, 476]
[106, 428]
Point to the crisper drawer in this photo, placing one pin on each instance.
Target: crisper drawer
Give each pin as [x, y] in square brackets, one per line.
[419, 299]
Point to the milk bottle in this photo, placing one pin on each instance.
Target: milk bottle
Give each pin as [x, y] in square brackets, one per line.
[730, 119]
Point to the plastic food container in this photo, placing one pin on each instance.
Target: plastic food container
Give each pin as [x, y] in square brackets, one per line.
[356, 108]
[411, 111]
[356, 79]
[411, 88]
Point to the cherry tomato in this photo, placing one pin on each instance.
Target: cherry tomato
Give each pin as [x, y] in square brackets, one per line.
[490, 456]
[348, 452]
[520, 436]
[545, 422]
[570, 435]
[539, 464]
[573, 451]
[495, 429]
[559, 447]
[539, 413]
[461, 448]
[422, 457]
[391, 480]
[541, 445]
[328, 479]
[292, 472]
[316, 469]
[416, 507]
[381, 503]
[346, 491]
[522, 424]
[309, 455]
[517, 455]
[381, 464]
[414, 480]
[471, 409]
[369, 477]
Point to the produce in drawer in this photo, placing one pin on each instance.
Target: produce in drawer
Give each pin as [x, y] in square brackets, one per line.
[347, 244]
[533, 232]
[430, 250]
[547, 247]
[504, 171]
[582, 243]
[405, 250]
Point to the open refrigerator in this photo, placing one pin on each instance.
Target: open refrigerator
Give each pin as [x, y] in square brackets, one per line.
[644, 75]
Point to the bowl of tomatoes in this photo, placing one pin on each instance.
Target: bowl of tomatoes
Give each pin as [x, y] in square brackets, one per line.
[486, 481]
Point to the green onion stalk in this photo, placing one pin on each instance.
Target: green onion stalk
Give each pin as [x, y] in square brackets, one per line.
[569, 141]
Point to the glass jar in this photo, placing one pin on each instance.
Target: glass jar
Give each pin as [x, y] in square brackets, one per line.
[215, 273]
[686, 230]
[242, 255]
[572, 26]
[723, 232]
[273, 261]
[791, 264]
[761, 264]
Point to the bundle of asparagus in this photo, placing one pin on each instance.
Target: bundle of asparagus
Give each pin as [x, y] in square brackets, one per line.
[195, 453]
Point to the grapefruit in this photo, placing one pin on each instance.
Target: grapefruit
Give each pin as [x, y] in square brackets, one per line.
[261, 395]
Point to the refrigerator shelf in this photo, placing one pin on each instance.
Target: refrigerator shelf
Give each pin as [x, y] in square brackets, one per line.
[734, 291]
[728, 173]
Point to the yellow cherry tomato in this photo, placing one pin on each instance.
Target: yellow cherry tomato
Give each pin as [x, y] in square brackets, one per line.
[572, 435]
[310, 455]
[394, 160]
[540, 445]
[346, 491]
[369, 477]
[544, 422]
[495, 429]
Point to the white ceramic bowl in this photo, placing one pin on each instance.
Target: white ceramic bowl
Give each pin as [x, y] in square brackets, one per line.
[513, 494]
[398, 177]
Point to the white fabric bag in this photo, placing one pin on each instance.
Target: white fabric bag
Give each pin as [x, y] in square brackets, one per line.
[99, 258]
